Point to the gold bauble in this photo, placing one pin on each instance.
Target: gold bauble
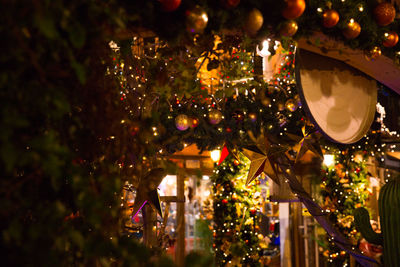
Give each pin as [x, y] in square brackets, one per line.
[266, 101]
[373, 53]
[281, 106]
[291, 105]
[182, 122]
[289, 28]
[254, 21]
[196, 20]
[384, 13]
[214, 116]
[293, 9]
[391, 39]
[330, 18]
[253, 117]
[352, 30]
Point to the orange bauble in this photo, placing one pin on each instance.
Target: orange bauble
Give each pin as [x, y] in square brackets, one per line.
[170, 5]
[253, 22]
[330, 18]
[352, 30]
[391, 39]
[288, 29]
[293, 8]
[384, 14]
[373, 53]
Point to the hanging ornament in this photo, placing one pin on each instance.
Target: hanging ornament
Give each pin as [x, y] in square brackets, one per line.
[228, 4]
[214, 116]
[182, 122]
[253, 117]
[391, 39]
[224, 154]
[170, 5]
[289, 28]
[263, 156]
[309, 142]
[352, 29]
[373, 53]
[330, 18]
[196, 20]
[293, 9]
[254, 22]
[384, 13]
[194, 122]
[282, 120]
[266, 101]
[291, 105]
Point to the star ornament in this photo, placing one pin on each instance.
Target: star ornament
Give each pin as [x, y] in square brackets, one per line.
[263, 158]
[147, 191]
[309, 142]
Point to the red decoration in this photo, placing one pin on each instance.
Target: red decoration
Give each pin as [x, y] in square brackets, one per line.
[391, 39]
[170, 5]
[253, 212]
[330, 18]
[224, 154]
[230, 3]
[384, 13]
[293, 9]
[352, 30]
[224, 201]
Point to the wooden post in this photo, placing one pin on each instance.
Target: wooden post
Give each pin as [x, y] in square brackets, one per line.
[180, 221]
[149, 226]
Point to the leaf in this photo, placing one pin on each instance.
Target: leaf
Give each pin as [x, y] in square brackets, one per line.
[77, 35]
[79, 71]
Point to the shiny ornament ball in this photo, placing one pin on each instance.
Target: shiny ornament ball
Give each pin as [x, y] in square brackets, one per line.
[196, 20]
[266, 101]
[372, 54]
[236, 162]
[281, 106]
[391, 39]
[224, 201]
[293, 9]
[230, 3]
[253, 22]
[170, 5]
[289, 28]
[253, 117]
[214, 116]
[291, 105]
[384, 13]
[330, 18]
[194, 123]
[352, 30]
[182, 122]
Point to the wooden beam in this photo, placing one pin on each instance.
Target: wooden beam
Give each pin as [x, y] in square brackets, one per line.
[382, 69]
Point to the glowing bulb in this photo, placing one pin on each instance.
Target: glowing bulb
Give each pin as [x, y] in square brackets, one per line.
[215, 155]
[329, 159]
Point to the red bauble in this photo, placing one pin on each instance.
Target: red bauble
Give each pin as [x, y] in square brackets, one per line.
[230, 3]
[293, 8]
[384, 13]
[170, 5]
[330, 18]
[224, 201]
[195, 123]
[253, 211]
[391, 39]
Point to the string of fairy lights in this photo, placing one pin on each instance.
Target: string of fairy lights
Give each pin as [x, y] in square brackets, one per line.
[282, 116]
